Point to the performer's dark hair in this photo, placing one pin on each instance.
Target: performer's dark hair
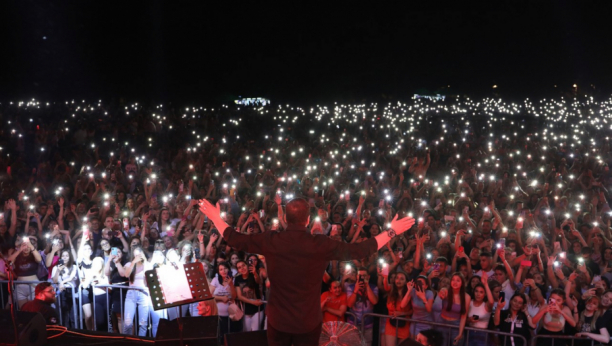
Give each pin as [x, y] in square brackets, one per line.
[297, 212]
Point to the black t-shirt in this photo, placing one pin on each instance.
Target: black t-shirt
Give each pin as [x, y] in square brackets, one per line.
[44, 308]
[249, 292]
[518, 326]
[115, 277]
[585, 327]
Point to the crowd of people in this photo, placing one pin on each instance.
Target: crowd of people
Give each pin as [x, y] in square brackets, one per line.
[513, 234]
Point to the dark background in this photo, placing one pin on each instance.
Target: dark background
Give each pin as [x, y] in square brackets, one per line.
[301, 52]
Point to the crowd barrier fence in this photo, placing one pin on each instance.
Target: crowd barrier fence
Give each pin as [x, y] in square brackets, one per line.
[446, 327]
[77, 311]
[562, 337]
[77, 305]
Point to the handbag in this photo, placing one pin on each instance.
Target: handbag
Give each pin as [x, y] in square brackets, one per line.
[397, 323]
[235, 312]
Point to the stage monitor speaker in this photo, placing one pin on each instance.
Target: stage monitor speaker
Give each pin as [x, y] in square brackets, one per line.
[31, 328]
[197, 331]
[259, 338]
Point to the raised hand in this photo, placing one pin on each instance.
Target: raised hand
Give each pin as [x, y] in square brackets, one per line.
[420, 292]
[501, 303]
[402, 225]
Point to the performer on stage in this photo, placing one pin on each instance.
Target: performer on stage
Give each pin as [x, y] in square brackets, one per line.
[296, 261]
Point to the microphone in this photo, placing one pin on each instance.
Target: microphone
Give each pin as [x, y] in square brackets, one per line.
[174, 265]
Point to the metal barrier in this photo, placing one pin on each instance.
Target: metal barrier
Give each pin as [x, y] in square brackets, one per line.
[448, 327]
[31, 297]
[17, 282]
[108, 306]
[563, 337]
[59, 303]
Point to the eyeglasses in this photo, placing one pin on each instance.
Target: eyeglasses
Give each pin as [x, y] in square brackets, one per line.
[50, 290]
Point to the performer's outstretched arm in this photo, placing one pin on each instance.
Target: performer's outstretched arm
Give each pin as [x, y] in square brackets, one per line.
[213, 212]
[399, 226]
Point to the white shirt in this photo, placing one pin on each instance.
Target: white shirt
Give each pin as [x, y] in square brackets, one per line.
[221, 290]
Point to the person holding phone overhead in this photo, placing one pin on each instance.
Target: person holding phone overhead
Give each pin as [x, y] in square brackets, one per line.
[296, 261]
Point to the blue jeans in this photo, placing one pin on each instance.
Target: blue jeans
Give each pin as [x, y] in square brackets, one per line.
[142, 301]
[478, 338]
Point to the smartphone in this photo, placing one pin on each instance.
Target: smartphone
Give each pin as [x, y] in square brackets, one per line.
[461, 249]
[126, 223]
[502, 295]
[449, 218]
[114, 251]
[400, 251]
[526, 264]
[476, 317]
[60, 262]
[262, 213]
[334, 230]
[436, 266]
[381, 203]
[320, 193]
[385, 269]
[502, 243]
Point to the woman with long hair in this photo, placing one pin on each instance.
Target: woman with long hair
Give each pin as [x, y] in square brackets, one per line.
[185, 249]
[138, 298]
[224, 292]
[64, 274]
[248, 292]
[164, 221]
[114, 271]
[398, 329]
[555, 317]
[421, 299]
[84, 264]
[455, 307]
[590, 324]
[26, 260]
[480, 310]
[95, 276]
[514, 320]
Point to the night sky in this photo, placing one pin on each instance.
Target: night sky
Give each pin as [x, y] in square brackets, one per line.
[301, 52]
